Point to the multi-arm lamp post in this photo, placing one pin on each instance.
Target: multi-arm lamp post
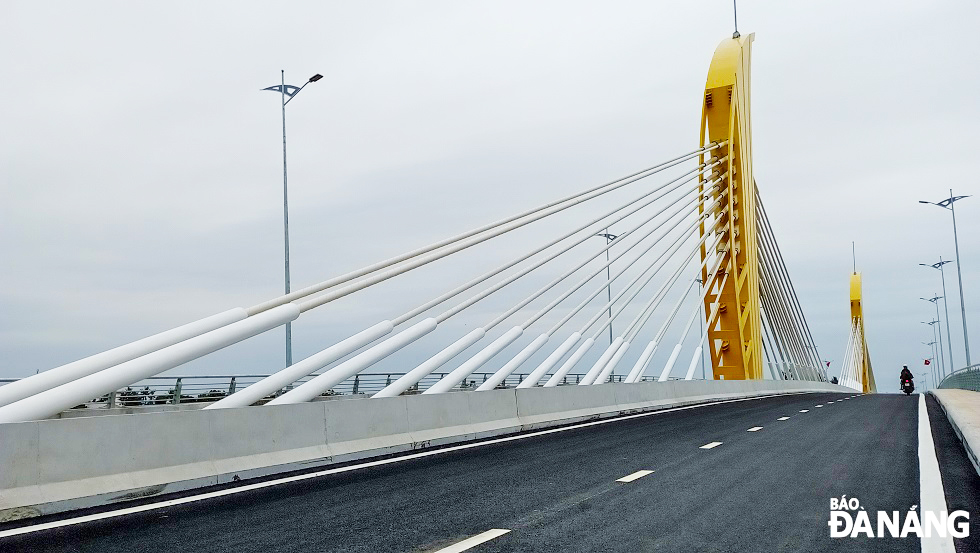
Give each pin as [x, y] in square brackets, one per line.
[949, 337]
[942, 363]
[948, 204]
[287, 91]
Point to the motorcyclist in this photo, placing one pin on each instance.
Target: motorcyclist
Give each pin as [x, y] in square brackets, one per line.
[906, 375]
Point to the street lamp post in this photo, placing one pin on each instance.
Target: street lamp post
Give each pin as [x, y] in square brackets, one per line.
[949, 337]
[942, 363]
[932, 360]
[289, 91]
[948, 204]
[934, 339]
[609, 238]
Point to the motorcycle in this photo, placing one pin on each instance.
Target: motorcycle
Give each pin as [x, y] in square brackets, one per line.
[908, 386]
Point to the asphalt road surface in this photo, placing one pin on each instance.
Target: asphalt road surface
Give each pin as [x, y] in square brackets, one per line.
[766, 489]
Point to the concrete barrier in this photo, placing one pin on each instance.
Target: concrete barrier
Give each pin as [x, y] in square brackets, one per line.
[57, 465]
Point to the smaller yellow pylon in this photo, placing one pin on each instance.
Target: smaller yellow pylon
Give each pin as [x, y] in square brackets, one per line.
[862, 360]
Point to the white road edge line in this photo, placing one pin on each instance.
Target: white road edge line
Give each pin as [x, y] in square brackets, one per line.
[470, 543]
[635, 476]
[932, 496]
[712, 445]
[337, 470]
[783, 419]
[754, 429]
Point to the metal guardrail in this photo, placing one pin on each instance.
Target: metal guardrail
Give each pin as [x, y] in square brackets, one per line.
[172, 390]
[963, 379]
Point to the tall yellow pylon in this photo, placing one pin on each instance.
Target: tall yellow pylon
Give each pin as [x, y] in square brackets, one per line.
[735, 325]
[857, 322]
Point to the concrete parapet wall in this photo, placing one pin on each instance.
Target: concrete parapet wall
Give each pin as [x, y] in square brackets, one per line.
[63, 464]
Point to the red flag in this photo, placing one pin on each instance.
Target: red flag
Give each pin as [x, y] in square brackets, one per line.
[828, 363]
[927, 362]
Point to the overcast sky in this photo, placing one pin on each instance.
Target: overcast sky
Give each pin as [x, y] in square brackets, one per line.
[140, 168]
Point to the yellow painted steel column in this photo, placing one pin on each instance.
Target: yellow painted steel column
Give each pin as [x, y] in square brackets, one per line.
[857, 317]
[735, 335]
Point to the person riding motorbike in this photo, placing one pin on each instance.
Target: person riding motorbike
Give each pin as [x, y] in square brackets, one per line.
[906, 375]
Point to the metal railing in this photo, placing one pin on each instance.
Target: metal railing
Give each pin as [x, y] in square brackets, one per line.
[963, 379]
[182, 389]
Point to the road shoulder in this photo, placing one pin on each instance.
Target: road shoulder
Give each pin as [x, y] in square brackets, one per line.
[962, 409]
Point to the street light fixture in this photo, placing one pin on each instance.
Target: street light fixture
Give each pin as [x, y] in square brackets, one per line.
[948, 204]
[609, 238]
[949, 337]
[289, 91]
[942, 362]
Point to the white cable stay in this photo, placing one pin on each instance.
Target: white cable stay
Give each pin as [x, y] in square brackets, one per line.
[639, 368]
[774, 245]
[468, 367]
[334, 376]
[424, 259]
[289, 375]
[668, 367]
[768, 350]
[88, 366]
[456, 376]
[787, 325]
[576, 198]
[628, 335]
[560, 374]
[778, 273]
[612, 350]
[565, 368]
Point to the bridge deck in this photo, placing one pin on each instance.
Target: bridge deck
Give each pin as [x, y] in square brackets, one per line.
[762, 490]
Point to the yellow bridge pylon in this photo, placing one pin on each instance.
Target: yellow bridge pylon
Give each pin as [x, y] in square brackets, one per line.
[856, 369]
[753, 316]
[732, 304]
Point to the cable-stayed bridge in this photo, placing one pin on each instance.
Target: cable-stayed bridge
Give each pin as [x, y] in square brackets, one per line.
[693, 276]
[695, 218]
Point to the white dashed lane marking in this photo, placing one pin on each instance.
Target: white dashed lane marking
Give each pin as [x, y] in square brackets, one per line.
[470, 543]
[804, 410]
[755, 429]
[711, 445]
[635, 476]
[783, 419]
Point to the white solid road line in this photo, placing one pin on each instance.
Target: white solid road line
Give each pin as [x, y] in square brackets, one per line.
[783, 419]
[635, 476]
[380, 462]
[711, 445]
[754, 429]
[470, 543]
[932, 496]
